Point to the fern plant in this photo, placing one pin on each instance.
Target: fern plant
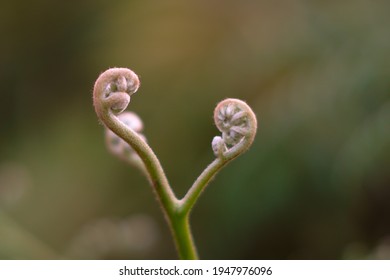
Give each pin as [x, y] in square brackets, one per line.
[234, 119]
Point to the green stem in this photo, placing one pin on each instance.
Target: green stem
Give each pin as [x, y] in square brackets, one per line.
[183, 237]
[176, 217]
[153, 166]
[176, 211]
[200, 184]
[180, 219]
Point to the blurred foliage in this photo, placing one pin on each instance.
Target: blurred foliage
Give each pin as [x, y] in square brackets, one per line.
[314, 186]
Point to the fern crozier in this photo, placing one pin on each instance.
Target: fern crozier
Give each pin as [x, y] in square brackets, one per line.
[238, 125]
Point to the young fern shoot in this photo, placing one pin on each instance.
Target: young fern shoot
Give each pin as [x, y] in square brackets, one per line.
[234, 119]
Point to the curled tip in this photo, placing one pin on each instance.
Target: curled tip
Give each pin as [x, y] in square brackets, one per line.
[113, 89]
[238, 125]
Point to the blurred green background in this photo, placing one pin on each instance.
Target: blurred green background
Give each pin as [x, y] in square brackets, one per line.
[315, 184]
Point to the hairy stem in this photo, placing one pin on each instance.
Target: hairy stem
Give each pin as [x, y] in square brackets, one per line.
[152, 164]
[178, 221]
[200, 184]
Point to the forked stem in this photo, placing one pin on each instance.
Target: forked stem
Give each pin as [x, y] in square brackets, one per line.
[234, 119]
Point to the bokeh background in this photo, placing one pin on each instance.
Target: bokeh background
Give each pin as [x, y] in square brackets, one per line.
[315, 184]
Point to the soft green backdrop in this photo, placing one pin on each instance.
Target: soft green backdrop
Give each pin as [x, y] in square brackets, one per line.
[315, 185]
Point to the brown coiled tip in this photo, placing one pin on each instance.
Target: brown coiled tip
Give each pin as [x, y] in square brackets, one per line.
[238, 125]
[113, 89]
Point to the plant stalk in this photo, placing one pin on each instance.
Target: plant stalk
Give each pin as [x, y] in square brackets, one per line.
[183, 237]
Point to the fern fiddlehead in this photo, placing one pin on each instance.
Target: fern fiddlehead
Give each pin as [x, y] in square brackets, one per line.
[234, 118]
